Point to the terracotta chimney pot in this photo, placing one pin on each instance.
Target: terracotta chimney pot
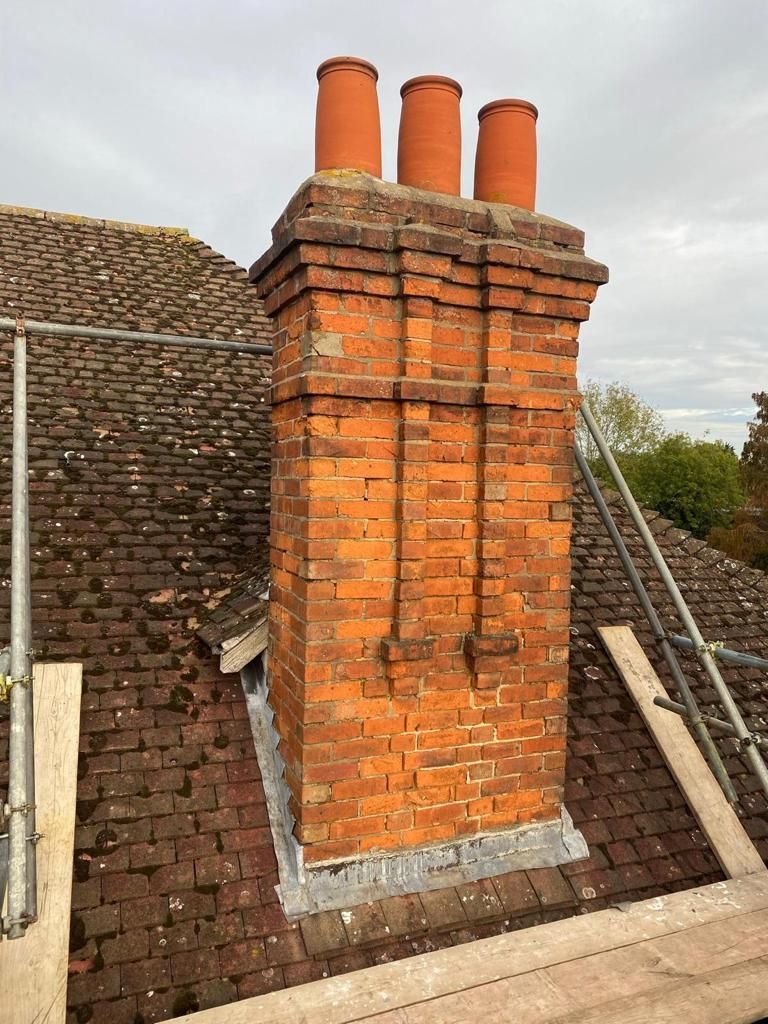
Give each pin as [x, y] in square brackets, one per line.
[429, 143]
[347, 127]
[505, 163]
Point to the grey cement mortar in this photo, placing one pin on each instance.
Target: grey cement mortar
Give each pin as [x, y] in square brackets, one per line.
[334, 885]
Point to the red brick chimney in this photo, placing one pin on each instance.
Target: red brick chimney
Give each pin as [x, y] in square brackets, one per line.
[424, 398]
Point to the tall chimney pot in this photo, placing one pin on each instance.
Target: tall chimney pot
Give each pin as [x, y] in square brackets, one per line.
[429, 142]
[505, 163]
[347, 126]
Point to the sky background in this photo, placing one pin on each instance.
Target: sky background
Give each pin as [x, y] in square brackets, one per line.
[653, 137]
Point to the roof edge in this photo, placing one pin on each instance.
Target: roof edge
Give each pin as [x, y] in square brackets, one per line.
[76, 218]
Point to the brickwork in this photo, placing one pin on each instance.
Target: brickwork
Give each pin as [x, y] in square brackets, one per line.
[424, 401]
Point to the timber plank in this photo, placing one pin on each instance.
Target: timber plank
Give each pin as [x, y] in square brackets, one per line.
[717, 819]
[587, 983]
[33, 969]
[462, 969]
[730, 995]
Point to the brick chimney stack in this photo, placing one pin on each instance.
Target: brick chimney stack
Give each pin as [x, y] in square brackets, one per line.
[424, 399]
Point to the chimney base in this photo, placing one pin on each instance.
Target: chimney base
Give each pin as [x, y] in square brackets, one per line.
[337, 884]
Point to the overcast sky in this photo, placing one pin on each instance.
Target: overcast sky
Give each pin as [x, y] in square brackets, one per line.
[653, 137]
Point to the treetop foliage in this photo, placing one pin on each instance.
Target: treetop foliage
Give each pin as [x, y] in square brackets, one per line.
[747, 538]
[629, 424]
[694, 483]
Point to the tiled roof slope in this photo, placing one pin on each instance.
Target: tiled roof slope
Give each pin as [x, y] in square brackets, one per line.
[101, 273]
[149, 488]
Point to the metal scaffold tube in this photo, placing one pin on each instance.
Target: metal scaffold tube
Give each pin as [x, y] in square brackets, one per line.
[714, 723]
[21, 746]
[57, 330]
[29, 693]
[690, 708]
[702, 651]
[724, 654]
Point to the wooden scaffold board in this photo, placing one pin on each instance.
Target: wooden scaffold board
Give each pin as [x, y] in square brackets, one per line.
[33, 969]
[704, 951]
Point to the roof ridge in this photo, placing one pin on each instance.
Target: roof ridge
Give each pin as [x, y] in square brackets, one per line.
[76, 218]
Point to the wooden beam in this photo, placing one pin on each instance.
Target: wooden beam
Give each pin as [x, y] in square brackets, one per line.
[717, 819]
[33, 969]
[591, 988]
[236, 655]
[457, 982]
[730, 995]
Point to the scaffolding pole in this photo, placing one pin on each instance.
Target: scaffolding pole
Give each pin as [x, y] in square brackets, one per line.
[723, 653]
[701, 648]
[22, 889]
[57, 330]
[714, 723]
[690, 707]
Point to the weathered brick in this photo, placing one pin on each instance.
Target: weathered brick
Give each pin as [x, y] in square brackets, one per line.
[477, 364]
[101, 920]
[177, 938]
[144, 912]
[551, 888]
[243, 957]
[93, 986]
[124, 887]
[285, 948]
[218, 869]
[145, 975]
[260, 982]
[132, 945]
[172, 877]
[197, 965]
[323, 933]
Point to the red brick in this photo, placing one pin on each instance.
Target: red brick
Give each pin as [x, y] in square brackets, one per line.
[133, 945]
[172, 877]
[261, 982]
[188, 904]
[124, 887]
[223, 929]
[93, 986]
[144, 912]
[243, 957]
[148, 974]
[218, 869]
[197, 965]
[236, 895]
[174, 939]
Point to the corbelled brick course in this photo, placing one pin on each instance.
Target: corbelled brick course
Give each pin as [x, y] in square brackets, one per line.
[424, 401]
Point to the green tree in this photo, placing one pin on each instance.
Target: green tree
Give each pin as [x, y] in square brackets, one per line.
[629, 424]
[754, 454]
[747, 539]
[694, 483]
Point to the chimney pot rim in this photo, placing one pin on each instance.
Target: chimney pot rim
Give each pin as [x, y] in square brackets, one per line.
[524, 106]
[349, 64]
[431, 81]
